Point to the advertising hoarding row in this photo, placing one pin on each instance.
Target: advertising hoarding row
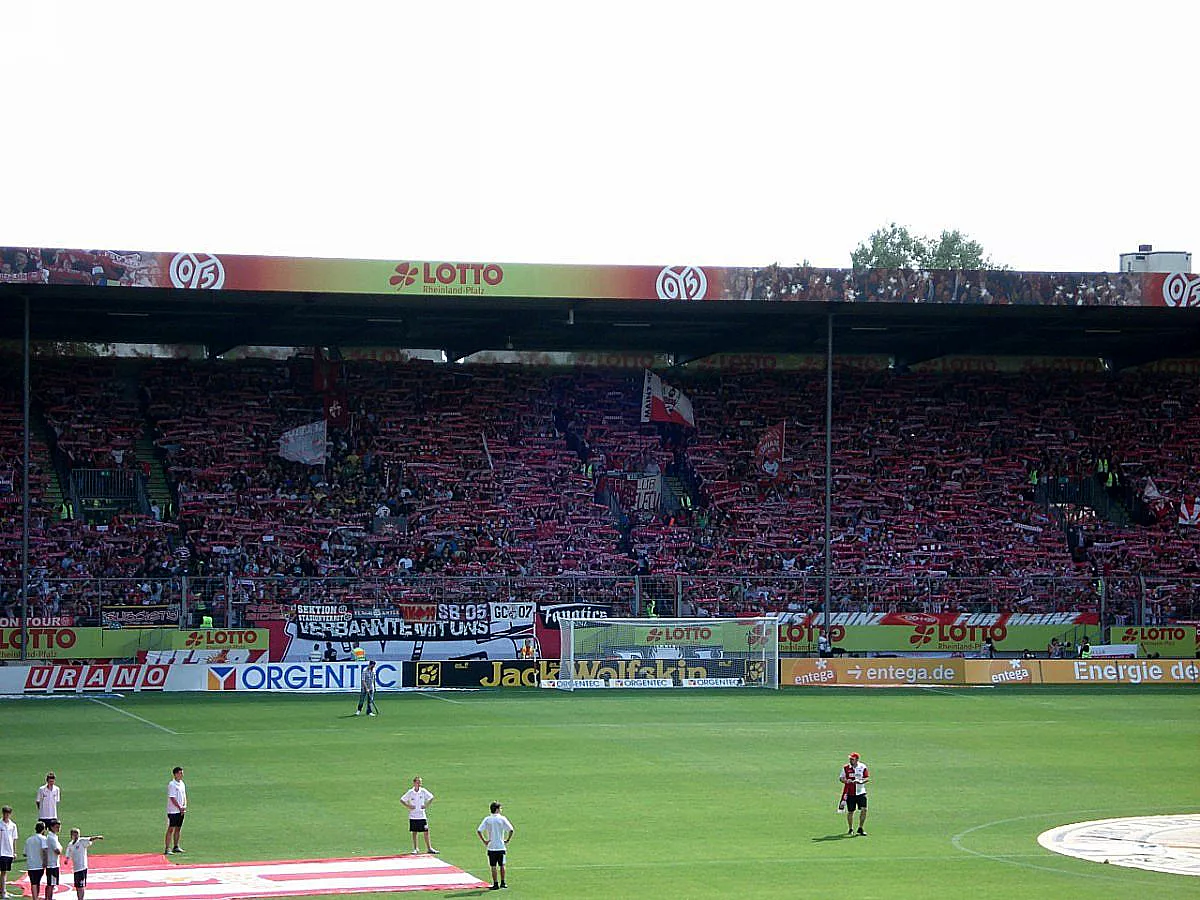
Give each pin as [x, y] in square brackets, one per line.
[932, 637]
[504, 630]
[924, 672]
[343, 677]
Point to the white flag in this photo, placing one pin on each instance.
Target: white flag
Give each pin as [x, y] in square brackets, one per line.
[663, 403]
[305, 444]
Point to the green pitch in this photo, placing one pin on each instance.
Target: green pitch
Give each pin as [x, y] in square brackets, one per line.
[637, 794]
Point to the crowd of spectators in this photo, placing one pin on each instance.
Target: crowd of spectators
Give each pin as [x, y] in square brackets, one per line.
[508, 474]
[984, 287]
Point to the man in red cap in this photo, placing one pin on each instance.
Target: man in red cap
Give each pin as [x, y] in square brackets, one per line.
[854, 779]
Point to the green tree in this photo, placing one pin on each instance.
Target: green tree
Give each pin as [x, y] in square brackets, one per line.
[895, 247]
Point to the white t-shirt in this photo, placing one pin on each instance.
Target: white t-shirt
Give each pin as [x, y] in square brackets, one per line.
[77, 851]
[494, 827]
[177, 790]
[8, 838]
[53, 849]
[34, 846]
[47, 802]
[418, 799]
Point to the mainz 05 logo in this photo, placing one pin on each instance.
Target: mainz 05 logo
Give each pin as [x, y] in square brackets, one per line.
[1181, 289]
[197, 271]
[681, 283]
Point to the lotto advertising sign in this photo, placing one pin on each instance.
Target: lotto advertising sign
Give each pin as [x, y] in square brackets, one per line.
[722, 634]
[1172, 641]
[930, 637]
[105, 643]
[885, 672]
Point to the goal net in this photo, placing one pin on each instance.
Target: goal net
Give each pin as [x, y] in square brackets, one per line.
[668, 653]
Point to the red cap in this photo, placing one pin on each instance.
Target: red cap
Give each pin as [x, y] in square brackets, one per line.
[854, 756]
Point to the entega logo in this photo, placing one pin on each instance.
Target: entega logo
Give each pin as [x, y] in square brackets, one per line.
[429, 674]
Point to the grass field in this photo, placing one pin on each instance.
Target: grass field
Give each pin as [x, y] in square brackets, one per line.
[637, 794]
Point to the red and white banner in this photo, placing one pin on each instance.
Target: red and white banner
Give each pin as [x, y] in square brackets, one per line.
[663, 403]
[769, 452]
[88, 678]
[149, 877]
[1189, 511]
[305, 444]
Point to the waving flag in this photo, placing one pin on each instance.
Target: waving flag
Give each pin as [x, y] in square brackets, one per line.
[769, 452]
[663, 403]
[305, 444]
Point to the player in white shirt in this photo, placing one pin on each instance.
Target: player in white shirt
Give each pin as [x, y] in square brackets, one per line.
[48, 796]
[176, 809]
[35, 857]
[417, 800]
[77, 852]
[53, 855]
[496, 831]
[8, 846]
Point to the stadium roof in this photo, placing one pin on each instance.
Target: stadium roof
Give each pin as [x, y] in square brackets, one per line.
[690, 312]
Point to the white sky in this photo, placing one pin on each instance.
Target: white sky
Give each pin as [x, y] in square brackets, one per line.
[737, 132]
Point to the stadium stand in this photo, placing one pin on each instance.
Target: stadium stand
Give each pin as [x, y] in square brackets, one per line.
[987, 491]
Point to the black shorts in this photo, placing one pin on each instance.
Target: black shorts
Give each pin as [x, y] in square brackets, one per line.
[81, 878]
[495, 857]
[35, 878]
[6, 863]
[418, 825]
[52, 875]
[856, 801]
[175, 820]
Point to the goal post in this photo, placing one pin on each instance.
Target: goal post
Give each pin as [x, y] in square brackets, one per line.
[668, 653]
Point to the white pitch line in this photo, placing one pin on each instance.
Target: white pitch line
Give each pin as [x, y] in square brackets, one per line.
[436, 696]
[957, 842]
[126, 712]
[766, 860]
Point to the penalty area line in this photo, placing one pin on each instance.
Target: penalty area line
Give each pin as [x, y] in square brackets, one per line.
[126, 712]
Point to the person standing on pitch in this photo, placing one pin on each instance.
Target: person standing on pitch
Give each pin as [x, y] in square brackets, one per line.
[48, 796]
[8, 847]
[855, 777]
[366, 689]
[53, 853]
[35, 857]
[77, 852]
[176, 810]
[417, 800]
[496, 831]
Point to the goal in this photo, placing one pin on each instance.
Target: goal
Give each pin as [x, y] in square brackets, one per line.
[668, 653]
